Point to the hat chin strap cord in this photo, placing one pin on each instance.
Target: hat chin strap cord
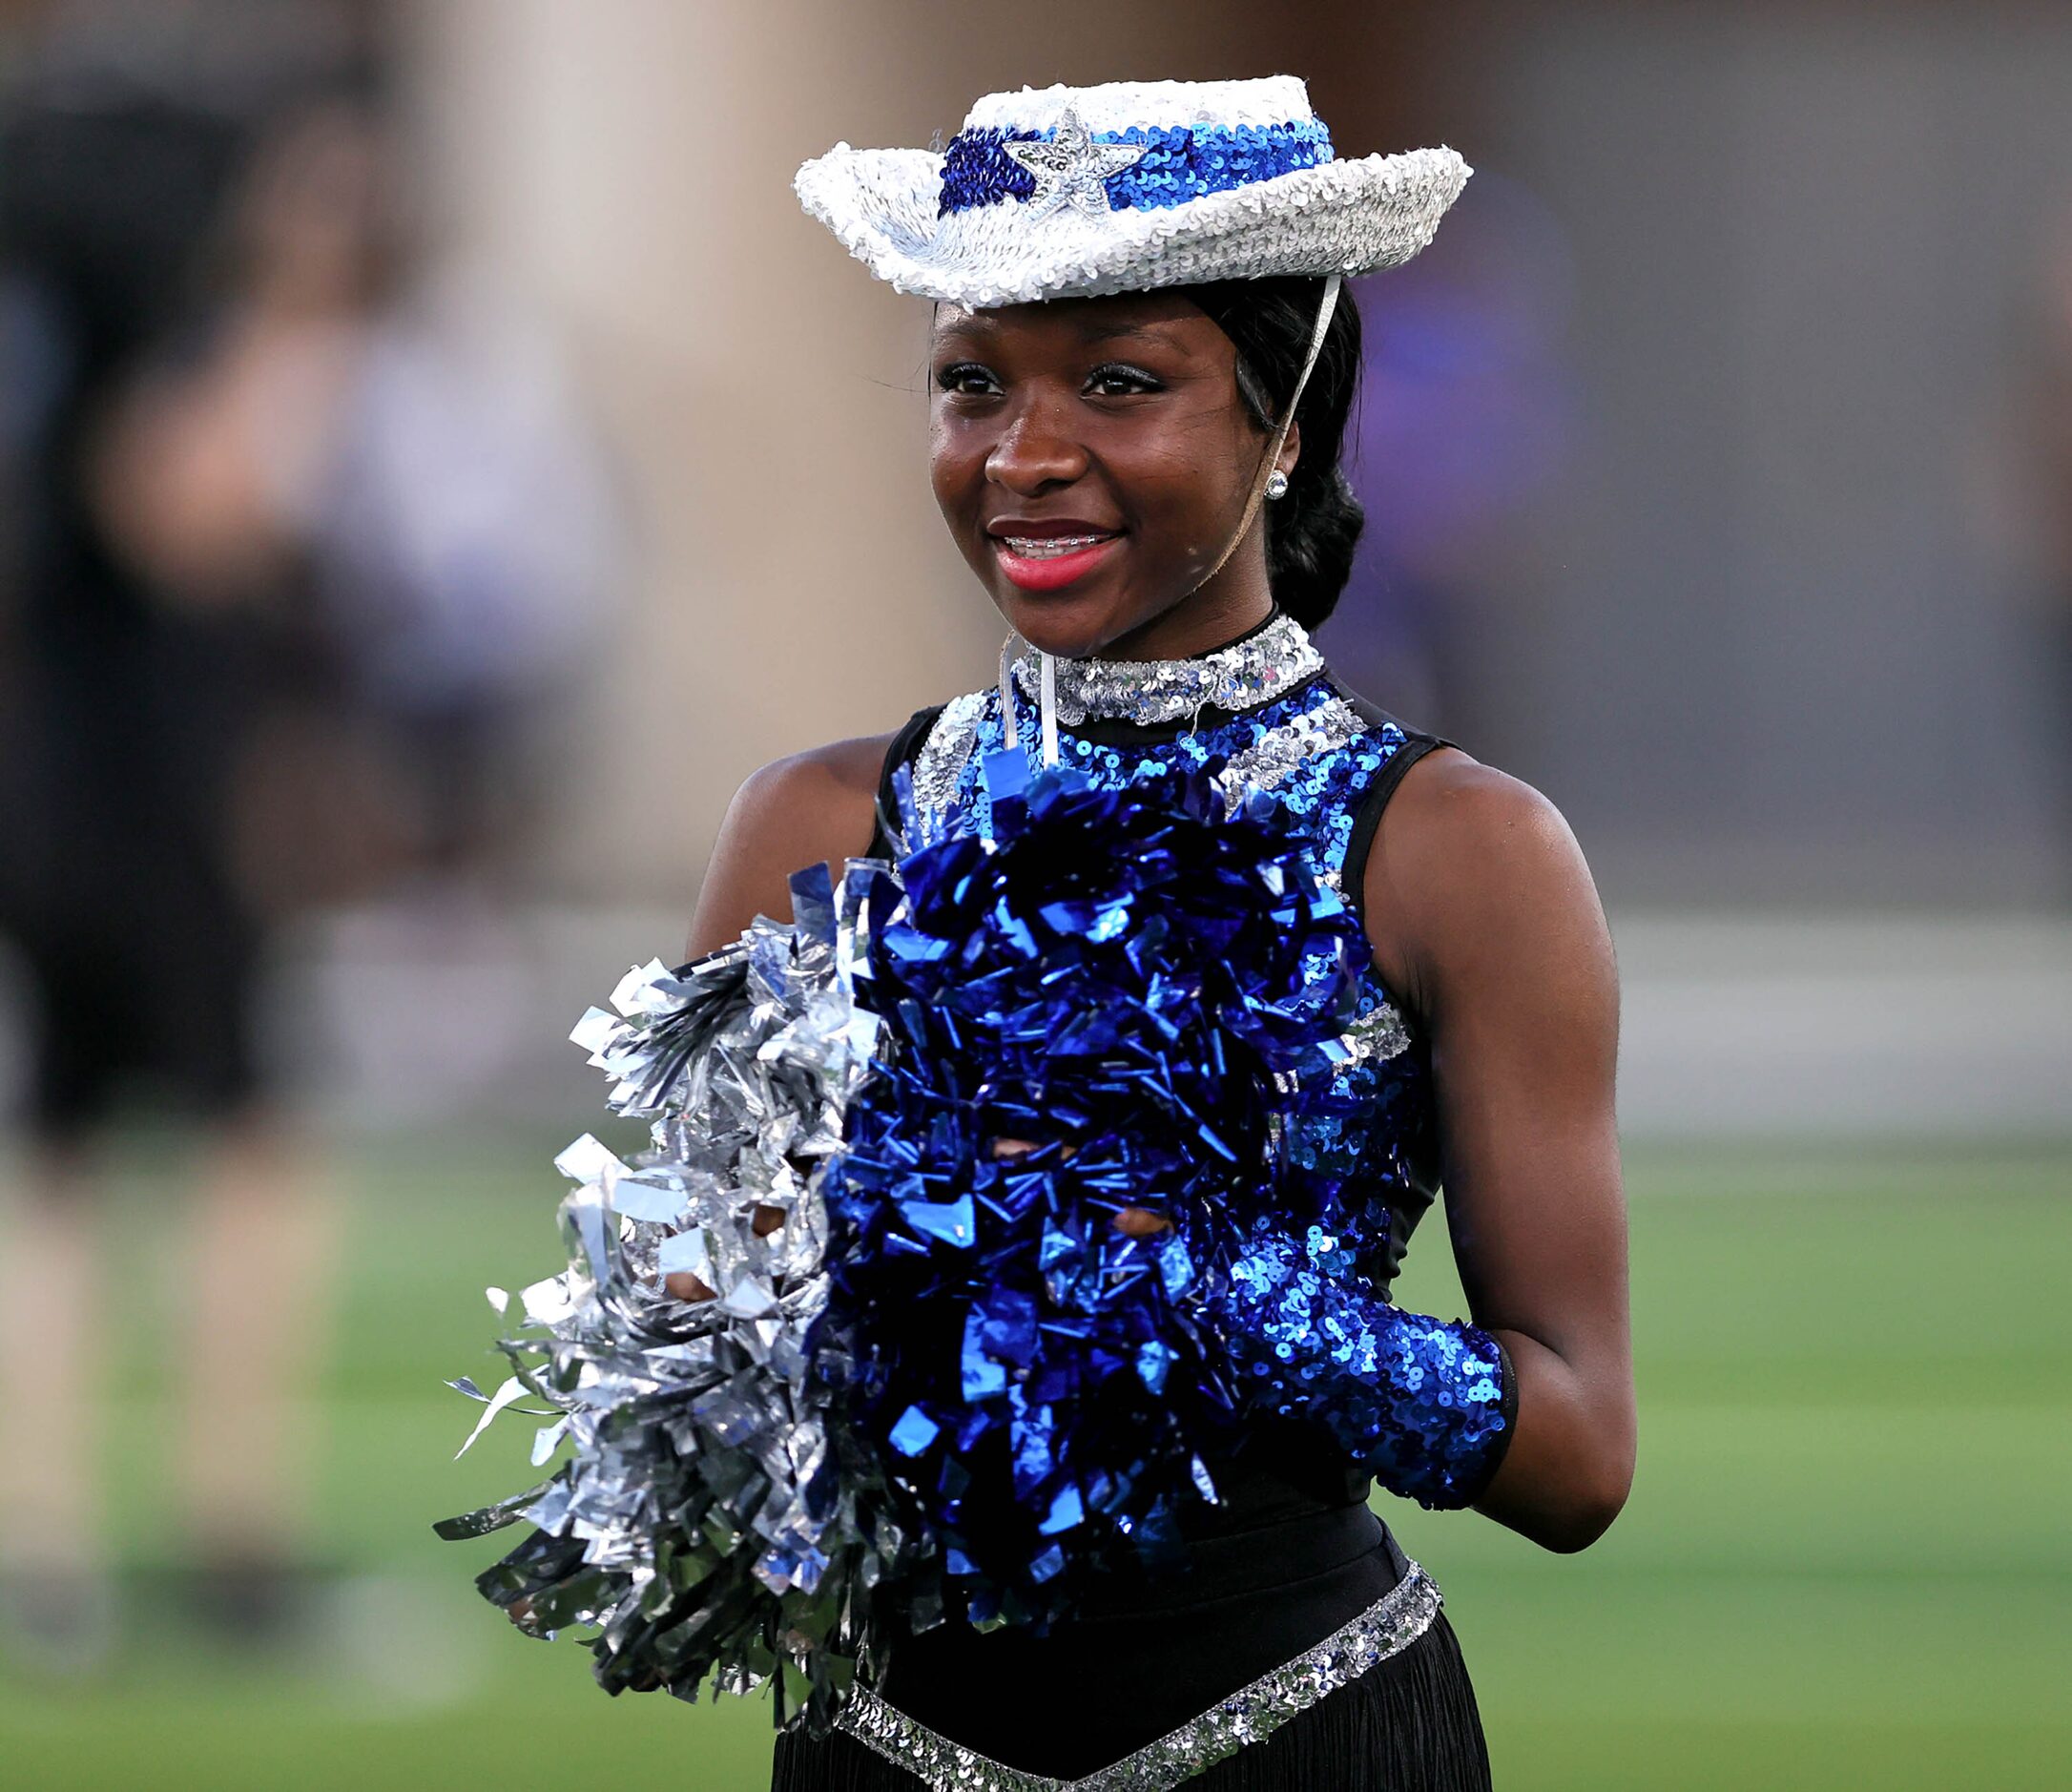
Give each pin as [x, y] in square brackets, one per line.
[1048, 703]
[1047, 677]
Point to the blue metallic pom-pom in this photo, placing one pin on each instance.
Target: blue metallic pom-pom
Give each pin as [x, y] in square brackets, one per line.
[1115, 978]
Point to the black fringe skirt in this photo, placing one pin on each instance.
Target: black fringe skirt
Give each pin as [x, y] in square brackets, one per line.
[1409, 1724]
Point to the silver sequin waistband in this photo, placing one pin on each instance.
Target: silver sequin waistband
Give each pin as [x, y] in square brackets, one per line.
[1391, 1623]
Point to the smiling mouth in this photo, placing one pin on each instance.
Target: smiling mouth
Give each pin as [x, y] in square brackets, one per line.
[1048, 563]
[1049, 546]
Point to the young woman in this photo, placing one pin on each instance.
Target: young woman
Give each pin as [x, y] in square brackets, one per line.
[1141, 367]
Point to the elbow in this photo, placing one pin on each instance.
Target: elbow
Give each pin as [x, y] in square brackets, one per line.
[1568, 1510]
[1567, 1466]
[1581, 1522]
[1595, 1497]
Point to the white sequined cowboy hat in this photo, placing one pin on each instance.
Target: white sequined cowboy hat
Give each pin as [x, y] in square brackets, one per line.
[1061, 192]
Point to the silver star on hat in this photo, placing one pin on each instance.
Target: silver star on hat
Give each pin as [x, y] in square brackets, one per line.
[1072, 169]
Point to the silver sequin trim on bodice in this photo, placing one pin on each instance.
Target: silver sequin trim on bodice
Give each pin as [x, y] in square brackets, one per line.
[1239, 677]
[1281, 750]
[1377, 1033]
[1391, 1624]
[941, 761]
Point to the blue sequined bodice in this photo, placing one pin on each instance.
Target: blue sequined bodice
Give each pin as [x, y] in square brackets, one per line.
[1319, 751]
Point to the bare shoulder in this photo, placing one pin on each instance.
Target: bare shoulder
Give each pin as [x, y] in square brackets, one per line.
[1456, 820]
[806, 808]
[1476, 871]
[828, 781]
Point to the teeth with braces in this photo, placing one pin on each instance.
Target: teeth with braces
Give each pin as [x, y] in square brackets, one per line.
[1049, 546]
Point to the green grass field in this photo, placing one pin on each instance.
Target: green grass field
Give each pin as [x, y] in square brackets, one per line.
[1846, 1561]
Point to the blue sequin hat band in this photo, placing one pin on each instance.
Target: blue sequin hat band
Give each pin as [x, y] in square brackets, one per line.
[1182, 163]
[1071, 192]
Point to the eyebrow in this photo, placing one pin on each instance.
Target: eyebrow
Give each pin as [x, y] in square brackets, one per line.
[1116, 332]
[983, 324]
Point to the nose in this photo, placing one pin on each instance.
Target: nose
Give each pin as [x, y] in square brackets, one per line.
[1036, 449]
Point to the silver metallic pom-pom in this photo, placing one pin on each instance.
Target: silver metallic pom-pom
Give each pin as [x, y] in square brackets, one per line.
[708, 1521]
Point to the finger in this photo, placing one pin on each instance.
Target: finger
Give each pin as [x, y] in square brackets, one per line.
[1021, 1147]
[686, 1286]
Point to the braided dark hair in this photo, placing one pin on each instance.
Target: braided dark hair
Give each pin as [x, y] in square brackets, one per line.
[1312, 531]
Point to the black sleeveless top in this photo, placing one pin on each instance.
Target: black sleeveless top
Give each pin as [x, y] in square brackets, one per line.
[1292, 1550]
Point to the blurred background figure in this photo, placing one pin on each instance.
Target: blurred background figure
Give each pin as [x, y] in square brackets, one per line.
[297, 539]
[2022, 466]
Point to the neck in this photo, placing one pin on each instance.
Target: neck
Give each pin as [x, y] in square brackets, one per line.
[1237, 599]
[1200, 631]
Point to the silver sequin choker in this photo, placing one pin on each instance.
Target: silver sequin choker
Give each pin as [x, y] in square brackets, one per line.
[1261, 666]
[1253, 1712]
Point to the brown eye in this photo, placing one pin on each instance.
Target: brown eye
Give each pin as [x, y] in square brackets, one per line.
[1113, 380]
[968, 378]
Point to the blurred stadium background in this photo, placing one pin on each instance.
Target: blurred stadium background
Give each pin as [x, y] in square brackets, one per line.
[1719, 464]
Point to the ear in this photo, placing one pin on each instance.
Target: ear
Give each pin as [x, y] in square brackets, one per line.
[1291, 450]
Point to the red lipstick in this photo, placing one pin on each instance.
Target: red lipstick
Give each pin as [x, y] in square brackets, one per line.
[1051, 554]
[1053, 572]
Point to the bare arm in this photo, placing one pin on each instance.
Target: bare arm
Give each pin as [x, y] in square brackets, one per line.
[1485, 918]
[813, 807]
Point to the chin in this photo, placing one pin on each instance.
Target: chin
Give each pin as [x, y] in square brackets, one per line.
[1070, 625]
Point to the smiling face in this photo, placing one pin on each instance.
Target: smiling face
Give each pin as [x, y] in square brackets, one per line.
[1092, 458]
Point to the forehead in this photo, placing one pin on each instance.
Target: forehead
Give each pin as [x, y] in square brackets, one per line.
[1073, 323]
